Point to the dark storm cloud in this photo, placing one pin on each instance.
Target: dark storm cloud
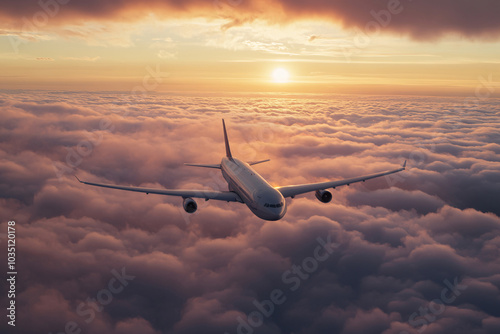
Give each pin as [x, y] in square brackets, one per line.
[398, 240]
[423, 19]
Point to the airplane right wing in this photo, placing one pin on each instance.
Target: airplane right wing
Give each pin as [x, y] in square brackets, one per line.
[291, 191]
[228, 196]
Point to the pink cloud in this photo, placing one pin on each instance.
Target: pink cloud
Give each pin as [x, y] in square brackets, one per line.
[397, 239]
[422, 20]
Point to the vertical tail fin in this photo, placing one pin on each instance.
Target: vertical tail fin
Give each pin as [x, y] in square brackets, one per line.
[228, 150]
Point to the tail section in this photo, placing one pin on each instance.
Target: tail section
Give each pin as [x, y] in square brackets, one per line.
[228, 150]
[228, 154]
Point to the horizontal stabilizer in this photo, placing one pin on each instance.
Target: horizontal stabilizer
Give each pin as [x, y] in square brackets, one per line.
[204, 165]
[258, 162]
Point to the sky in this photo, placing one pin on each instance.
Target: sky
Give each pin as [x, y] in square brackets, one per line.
[126, 92]
[377, 47]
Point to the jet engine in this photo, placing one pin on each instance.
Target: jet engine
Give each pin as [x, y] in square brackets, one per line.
[324, 196]
[189, 205]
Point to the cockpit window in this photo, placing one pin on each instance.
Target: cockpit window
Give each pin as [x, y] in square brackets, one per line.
[279, 205]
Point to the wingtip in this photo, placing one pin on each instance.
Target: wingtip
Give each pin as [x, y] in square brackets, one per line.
[404, 165]
[78, 179]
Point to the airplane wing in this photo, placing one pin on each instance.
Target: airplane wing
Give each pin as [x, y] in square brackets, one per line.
[291, 191]
[227, 196]
[204, 165]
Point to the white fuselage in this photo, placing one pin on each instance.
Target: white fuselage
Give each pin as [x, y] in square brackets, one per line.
[260, 197]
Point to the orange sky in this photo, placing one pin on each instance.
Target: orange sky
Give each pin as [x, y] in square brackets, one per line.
[227, 47]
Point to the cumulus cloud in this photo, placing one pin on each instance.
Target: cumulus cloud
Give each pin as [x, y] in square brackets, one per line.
[425, 19]
[396, 243]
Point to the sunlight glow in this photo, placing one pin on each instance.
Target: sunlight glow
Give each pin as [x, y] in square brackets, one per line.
[280, 75]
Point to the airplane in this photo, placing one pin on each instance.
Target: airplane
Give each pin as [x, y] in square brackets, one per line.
[247, 186]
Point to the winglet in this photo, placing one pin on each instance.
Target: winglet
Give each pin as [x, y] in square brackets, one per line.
[404, 165]
[78, 179]
[228, 150]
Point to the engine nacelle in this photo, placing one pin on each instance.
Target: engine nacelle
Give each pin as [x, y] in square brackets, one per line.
[189, 205]
[324, 196]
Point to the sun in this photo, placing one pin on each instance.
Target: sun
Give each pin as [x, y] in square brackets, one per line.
[280, 75]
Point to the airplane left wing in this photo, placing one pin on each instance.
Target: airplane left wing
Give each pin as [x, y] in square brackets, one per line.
[291, 191]
[204, 165]
[227, 196]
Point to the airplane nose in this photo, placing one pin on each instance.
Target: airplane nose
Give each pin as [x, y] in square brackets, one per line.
[282, 211]
[278, 213]
[272, 205]
[271, 214]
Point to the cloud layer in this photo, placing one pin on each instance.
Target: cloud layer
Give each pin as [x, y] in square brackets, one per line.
[396, 243]
[423, 19]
